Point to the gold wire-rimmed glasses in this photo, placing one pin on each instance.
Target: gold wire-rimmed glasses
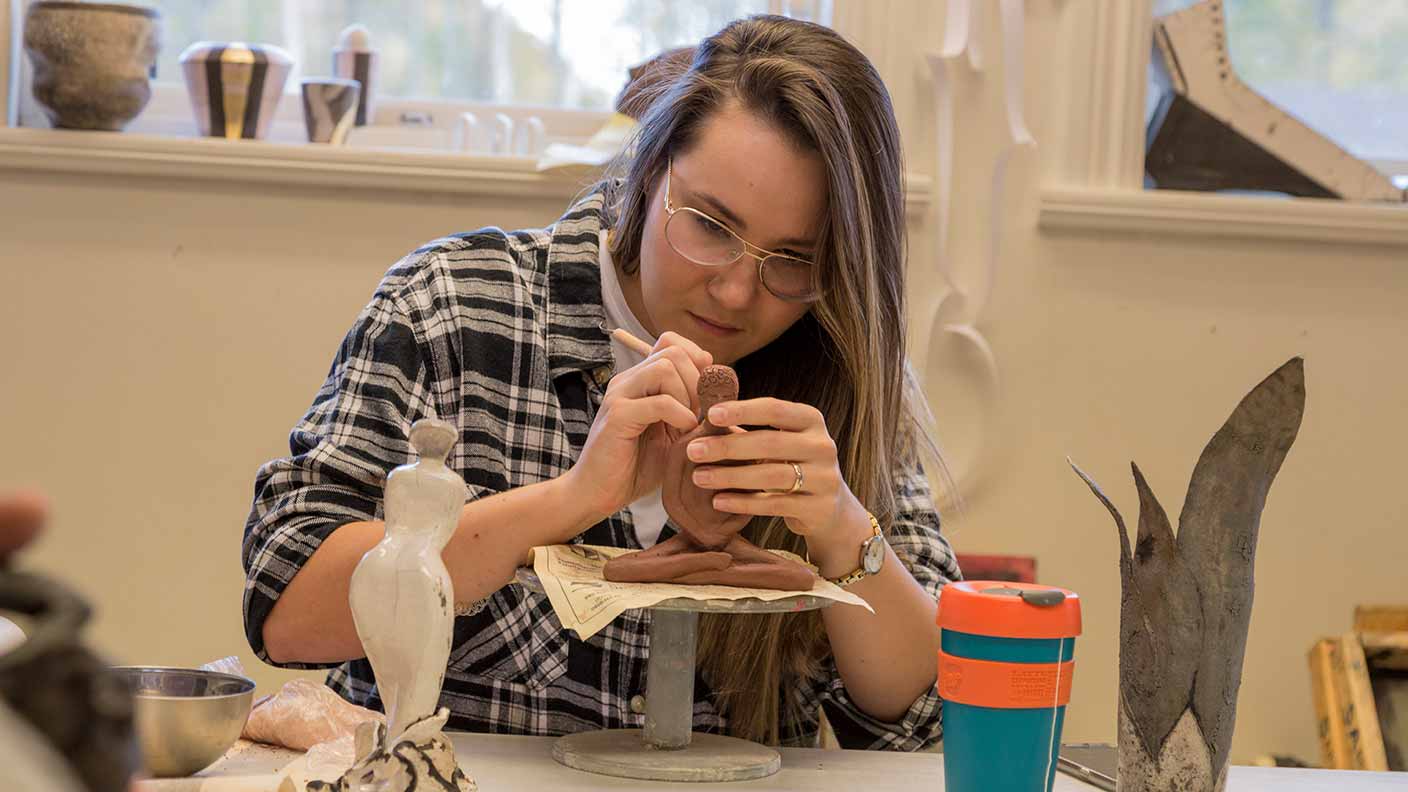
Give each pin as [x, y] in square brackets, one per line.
[710, 243]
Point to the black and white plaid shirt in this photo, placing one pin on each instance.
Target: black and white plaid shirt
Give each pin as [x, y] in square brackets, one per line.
[500, 332]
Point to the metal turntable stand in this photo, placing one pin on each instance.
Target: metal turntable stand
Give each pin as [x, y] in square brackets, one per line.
[667, 749]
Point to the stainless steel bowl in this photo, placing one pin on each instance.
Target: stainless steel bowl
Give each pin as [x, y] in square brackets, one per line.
[186, 718]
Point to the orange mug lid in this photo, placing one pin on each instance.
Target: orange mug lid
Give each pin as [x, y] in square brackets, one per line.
[1007, 609]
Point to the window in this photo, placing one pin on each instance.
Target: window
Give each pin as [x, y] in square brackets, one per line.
[1337, 65]
[555, 53]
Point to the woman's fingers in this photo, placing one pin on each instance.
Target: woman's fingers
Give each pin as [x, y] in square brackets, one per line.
[790, 416]
[697, 354]
[638, 415]
[687, 371]
[652, 376]
[774, 476]
[669, 370]
[762, 444]
[689, 360]
[766, 504]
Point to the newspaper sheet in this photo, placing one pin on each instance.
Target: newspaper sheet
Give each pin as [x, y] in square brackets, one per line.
[585, 601]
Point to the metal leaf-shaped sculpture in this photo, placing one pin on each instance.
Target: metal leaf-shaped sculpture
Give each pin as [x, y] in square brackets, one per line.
[1186, 602]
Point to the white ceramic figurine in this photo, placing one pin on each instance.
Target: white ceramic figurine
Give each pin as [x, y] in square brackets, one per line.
[401, 595]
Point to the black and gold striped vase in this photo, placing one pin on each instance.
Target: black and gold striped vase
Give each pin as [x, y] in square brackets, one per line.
[234, 87]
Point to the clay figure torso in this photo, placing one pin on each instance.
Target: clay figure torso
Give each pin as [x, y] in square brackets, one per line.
[692, 507]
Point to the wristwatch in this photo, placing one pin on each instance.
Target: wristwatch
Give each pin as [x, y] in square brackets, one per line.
[872, 556]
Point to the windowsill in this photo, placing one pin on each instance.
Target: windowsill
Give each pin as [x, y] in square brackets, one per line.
[1174, 213]
[126, 154]
[246, 161]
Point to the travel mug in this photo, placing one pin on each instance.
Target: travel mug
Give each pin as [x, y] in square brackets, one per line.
[1005, 667]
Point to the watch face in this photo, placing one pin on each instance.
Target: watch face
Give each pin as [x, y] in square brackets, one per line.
[874, 555]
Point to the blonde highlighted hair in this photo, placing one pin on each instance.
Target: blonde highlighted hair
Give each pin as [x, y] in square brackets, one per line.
[846, 356]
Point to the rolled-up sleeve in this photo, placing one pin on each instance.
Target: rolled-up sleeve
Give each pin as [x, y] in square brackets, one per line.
[914, 535]
[354, 434]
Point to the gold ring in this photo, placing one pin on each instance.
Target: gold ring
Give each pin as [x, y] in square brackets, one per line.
[797, 483]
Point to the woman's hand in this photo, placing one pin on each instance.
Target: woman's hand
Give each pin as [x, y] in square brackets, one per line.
[625, 449]
[823, 509]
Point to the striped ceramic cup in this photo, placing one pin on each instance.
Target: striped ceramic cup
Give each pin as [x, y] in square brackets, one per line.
[234, 86]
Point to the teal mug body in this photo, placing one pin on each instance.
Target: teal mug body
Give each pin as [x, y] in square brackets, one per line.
[1006, 664]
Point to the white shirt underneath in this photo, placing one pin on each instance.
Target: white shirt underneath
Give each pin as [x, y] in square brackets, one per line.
[647, 513]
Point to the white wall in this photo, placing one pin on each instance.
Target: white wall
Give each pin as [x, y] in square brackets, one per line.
[1124, 347]
[163, 335]
[162, 339]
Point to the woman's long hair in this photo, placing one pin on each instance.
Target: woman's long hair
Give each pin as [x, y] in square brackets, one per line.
[846, 356]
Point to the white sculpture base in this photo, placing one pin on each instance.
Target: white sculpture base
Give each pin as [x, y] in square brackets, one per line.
[625, 753]
[423, 759]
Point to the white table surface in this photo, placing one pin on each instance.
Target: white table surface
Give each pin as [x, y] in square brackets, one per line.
[501, 763]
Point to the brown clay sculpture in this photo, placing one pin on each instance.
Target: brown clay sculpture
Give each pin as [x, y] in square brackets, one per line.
[708, 548]
[691, 507]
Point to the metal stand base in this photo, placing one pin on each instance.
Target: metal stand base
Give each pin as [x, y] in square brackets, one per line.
[625, 754]
[668, 749]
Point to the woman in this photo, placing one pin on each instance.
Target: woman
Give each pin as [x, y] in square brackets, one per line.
[781, 134]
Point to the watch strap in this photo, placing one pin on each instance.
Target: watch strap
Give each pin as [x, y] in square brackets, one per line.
[859, 574]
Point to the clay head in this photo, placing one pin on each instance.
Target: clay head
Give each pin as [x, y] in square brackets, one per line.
[717, 384]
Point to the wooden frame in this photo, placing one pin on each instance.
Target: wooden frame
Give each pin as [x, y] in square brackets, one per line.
[1383, 630]
[1326, 670]
[1386, 650]
[1381, 618]
[1347, 702]
[1346, 716]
